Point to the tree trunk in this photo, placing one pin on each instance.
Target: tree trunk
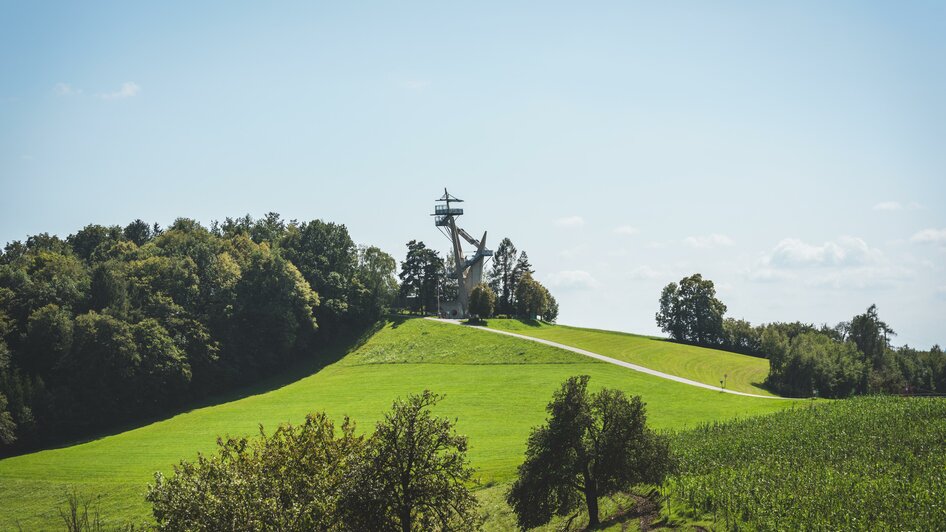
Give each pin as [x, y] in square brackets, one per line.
[406, 520]
[591, 499]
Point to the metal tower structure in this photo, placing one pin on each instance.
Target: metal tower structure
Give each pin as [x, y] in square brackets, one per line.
[467, 271]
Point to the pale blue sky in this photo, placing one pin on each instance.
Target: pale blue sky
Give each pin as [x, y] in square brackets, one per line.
[792, 152]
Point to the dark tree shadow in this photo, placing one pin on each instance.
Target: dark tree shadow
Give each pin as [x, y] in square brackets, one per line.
[307, 365]
[526, 322]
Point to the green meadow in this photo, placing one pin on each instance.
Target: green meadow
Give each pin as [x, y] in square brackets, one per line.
[741, 373]
[496, 388]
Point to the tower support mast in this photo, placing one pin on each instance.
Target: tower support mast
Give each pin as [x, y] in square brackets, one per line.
[467, 271]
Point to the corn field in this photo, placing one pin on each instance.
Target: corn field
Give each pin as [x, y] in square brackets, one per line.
[876, 463]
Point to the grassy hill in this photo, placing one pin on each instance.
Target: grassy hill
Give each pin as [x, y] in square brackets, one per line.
[496, 386]
[709, 366]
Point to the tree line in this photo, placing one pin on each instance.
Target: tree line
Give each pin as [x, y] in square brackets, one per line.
[113, 324]
[510, 289]
[412, 472]
[851, 357]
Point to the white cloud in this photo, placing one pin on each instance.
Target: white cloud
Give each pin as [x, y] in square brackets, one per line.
[845, 251]
[888, 206]
[844, 263]
[708, 241]
[570, 221]
[626, 230]
[572, 279]
[65, 89]
[127, 90]
[930, 236]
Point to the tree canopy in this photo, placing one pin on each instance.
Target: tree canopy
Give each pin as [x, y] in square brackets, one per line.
[410, 474]
[690, 311]
[482, 301]
[111, 323]
[592, 445]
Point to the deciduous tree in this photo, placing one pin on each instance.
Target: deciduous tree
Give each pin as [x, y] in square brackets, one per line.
[691, 312]
[415, 475]
[482, 301]
[592, 445]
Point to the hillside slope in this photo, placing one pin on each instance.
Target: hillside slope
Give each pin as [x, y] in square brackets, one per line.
[742, 373]
[495, 386]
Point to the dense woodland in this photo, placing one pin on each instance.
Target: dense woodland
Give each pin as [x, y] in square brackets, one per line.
[852, 357]
[116, 324]
[113, 324]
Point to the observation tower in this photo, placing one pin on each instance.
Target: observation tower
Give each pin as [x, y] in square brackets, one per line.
[467, 271]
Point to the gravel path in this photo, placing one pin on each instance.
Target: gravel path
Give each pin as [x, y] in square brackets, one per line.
[610, 360]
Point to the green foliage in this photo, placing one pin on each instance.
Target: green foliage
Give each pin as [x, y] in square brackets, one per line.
[482, 301]
[414, 475]
[7, 425]
[813, 364]
[865, 463]
[497, 389]
[112, 324]
[376, 277]
[550, 314]
[690, 311]
[49, 333]
[870, 335]
[273, 311]
[411, 474]
[502, 275]
[289, 480]
[422, 274]
[852, 358]
[532, 299]
[593, 445]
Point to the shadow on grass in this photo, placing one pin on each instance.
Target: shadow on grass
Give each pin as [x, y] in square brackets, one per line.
[526, 322]
[305, 366]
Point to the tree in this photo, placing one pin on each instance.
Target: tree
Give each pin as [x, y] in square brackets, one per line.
[482, 301]
[7, 426]
[592, 445]
[740, 336]
[48, 338]
[274, 311]
[501, 275]
[690, 311]
[102, 368]
[522, 269]
[290, 480]
[93, 239]
[551, 308]
[531, 297]
[164, 372]
[813, 364]
[327, 257]
[139, 232]
[871, 335]
[376, 274]
[422, 274]
[414, 475]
